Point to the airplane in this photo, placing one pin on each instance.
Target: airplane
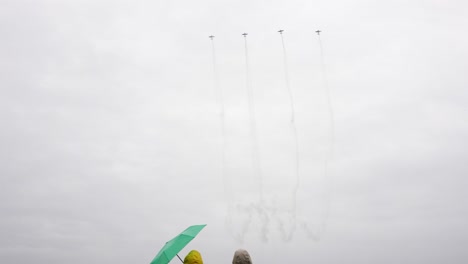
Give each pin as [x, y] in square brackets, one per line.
[211, 37]
[244, 34]
[280, 31]
[318, 32]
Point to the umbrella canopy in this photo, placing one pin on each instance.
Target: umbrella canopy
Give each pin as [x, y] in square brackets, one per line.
[175, 245]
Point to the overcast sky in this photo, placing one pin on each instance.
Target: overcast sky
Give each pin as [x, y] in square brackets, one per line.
[111, 139]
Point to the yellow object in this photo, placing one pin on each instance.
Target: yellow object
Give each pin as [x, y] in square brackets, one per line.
[193, 257]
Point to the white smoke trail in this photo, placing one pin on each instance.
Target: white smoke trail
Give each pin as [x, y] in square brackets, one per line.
[220, 98]
[253, 122]
[329, 102]
[244, 215]
[293, 128]
[232, 210]
[330, 152]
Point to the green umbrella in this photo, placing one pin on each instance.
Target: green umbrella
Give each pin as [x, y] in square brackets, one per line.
[175, 245]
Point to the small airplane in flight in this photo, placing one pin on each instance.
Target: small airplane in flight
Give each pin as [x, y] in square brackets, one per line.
[244, 34]
[280, 31]
[318, 32]
[211, 37]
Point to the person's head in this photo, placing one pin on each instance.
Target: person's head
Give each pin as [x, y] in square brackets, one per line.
[193, 257]
[241, 256]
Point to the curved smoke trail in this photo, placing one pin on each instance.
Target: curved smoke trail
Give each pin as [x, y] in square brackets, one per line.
[248, 212]
[329, 102]
[220, 98]
[226, 180]
[293, 124]
[329, 156]
[253, 122]
[332, 126]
